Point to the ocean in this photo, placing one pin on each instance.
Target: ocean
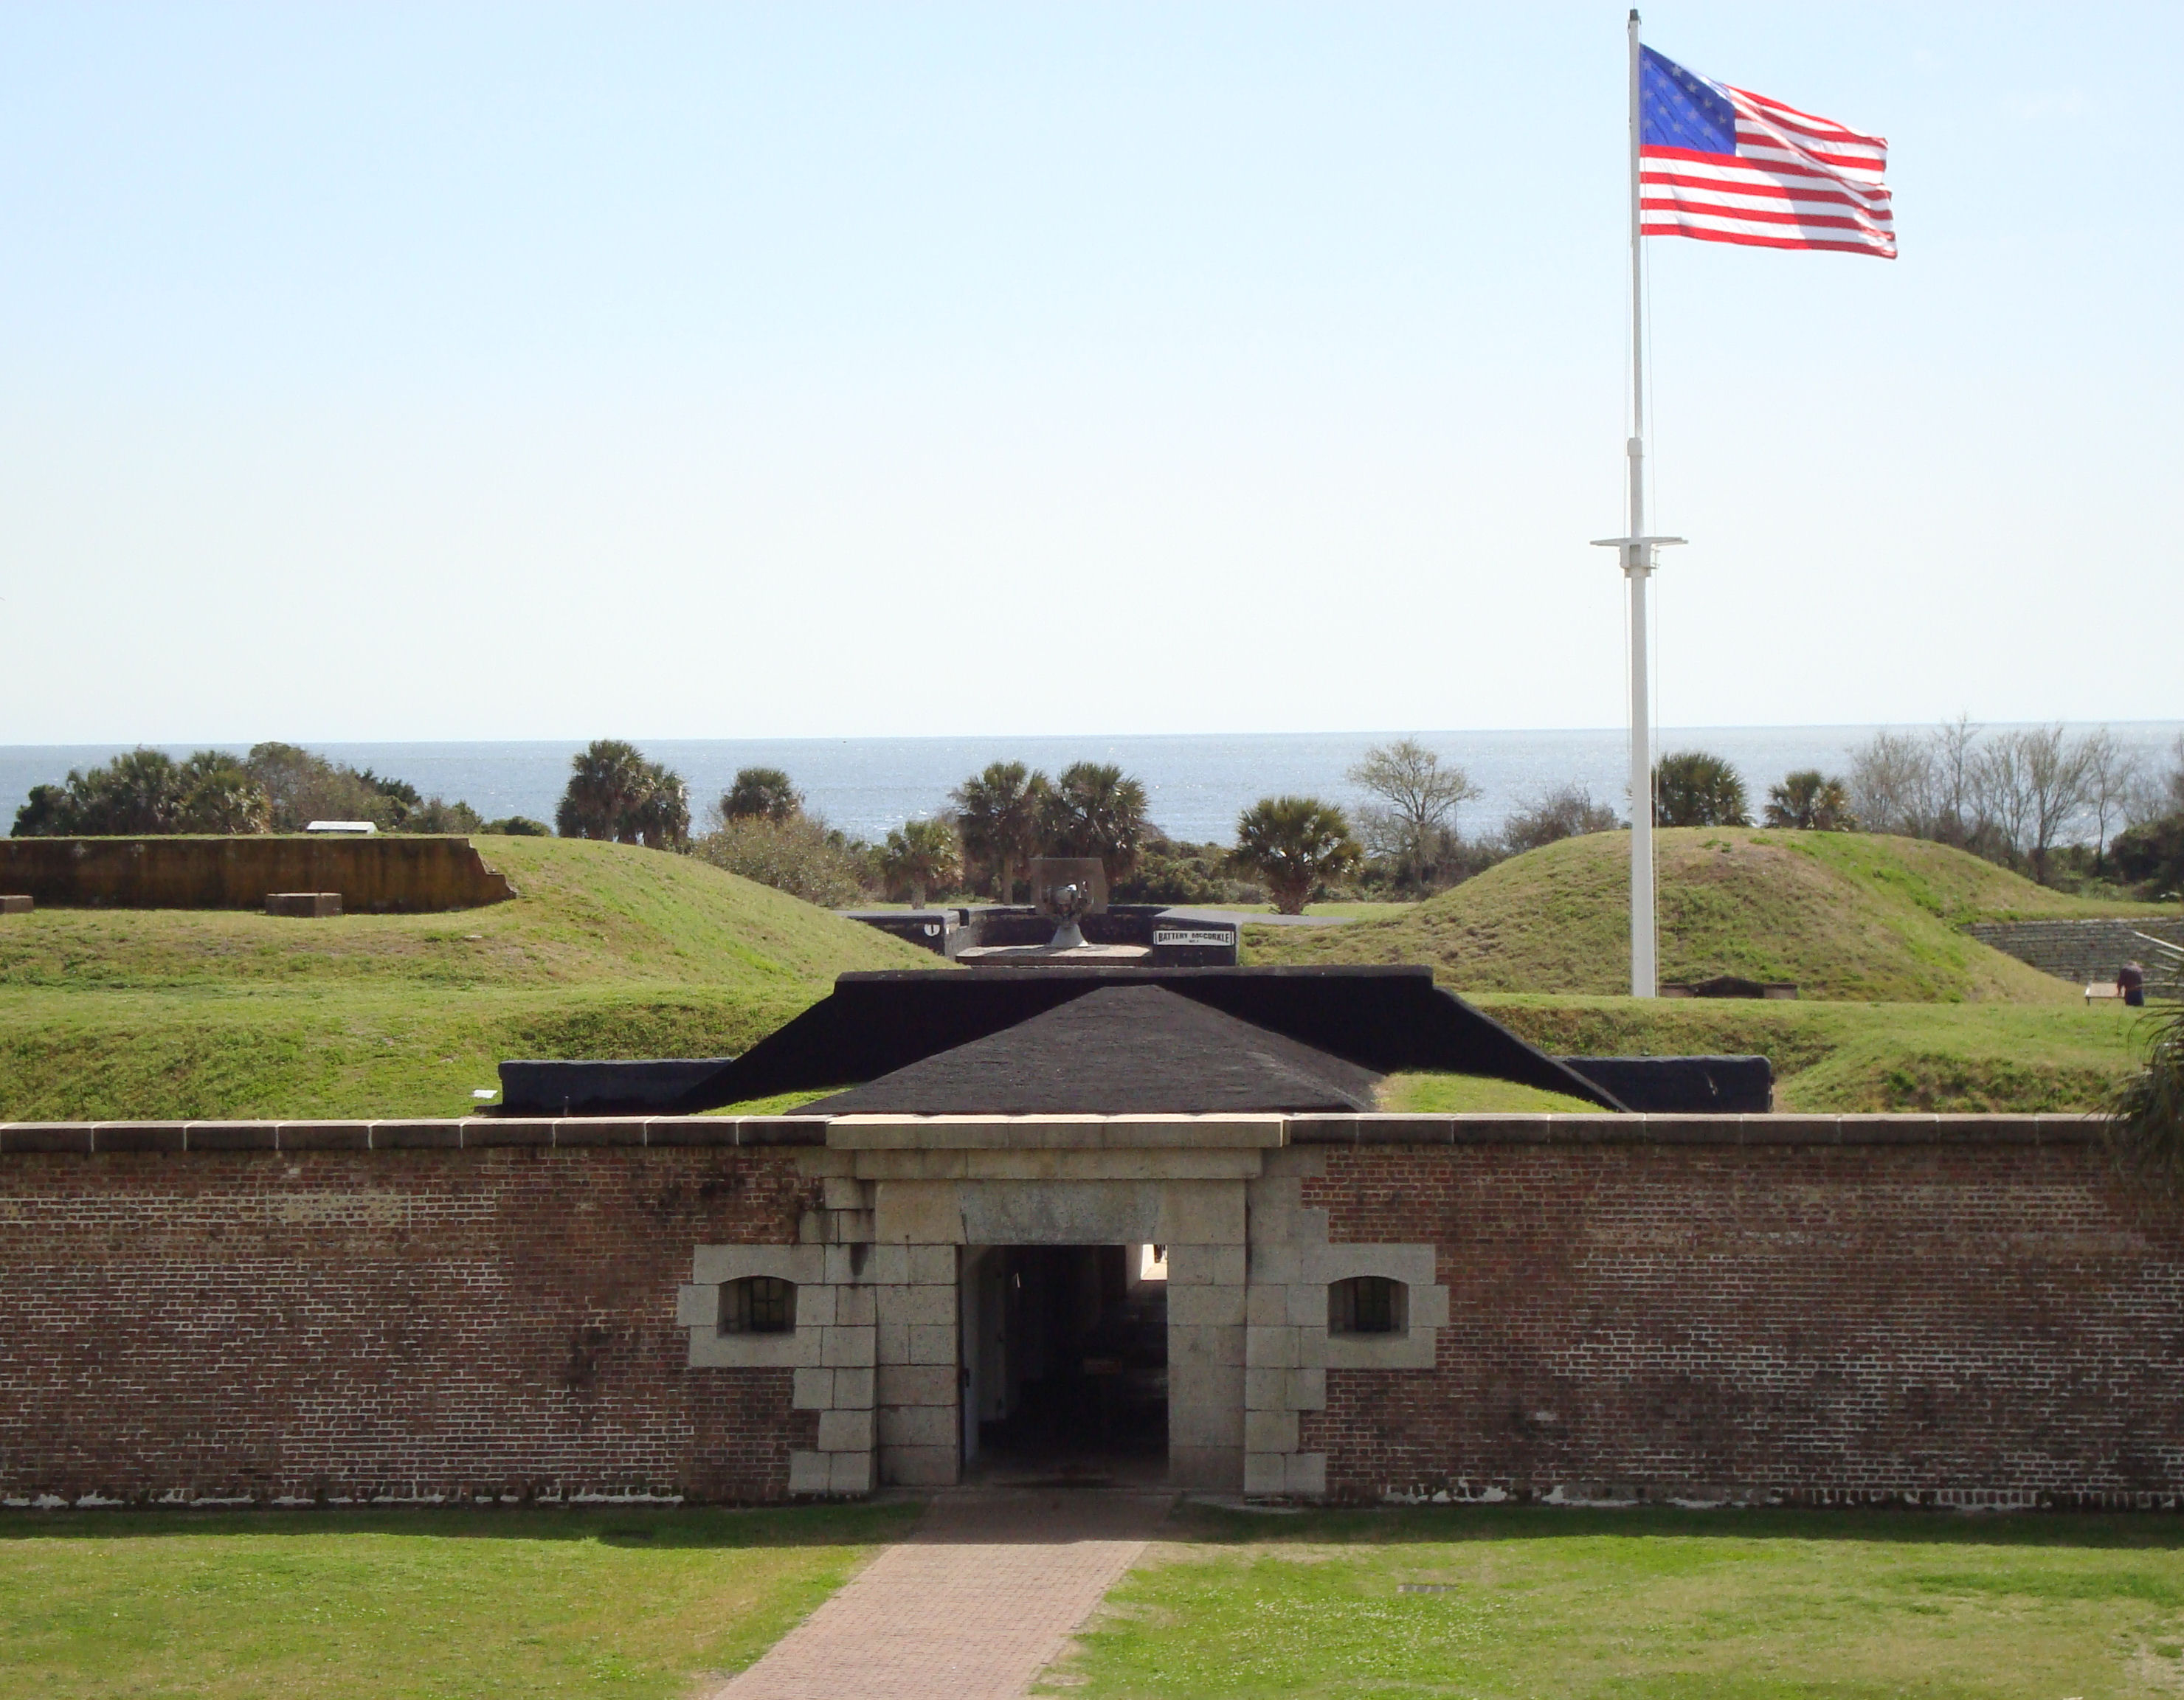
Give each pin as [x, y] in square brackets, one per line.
[1197, 784]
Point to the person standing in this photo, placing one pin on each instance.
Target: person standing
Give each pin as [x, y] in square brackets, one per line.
[2130, 982]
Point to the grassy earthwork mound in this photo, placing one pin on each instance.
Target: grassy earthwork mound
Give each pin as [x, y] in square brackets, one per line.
[1843, 914]
[1899, 1008]
[608, 950]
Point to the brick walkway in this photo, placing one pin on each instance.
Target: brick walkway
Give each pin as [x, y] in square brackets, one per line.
[976, 1603]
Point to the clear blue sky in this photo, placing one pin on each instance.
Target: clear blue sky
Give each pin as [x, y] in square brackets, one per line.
[446, 372]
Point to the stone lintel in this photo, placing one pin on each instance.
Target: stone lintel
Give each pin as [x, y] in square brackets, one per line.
[1059, 1132]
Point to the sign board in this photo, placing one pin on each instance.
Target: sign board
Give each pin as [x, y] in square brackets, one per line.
[1194, 935]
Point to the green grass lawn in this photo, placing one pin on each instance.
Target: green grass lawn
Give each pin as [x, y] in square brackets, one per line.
[1457, 1095]
[1852, 1056]
[427, 1605]
[1633, 1605]
[609, 950]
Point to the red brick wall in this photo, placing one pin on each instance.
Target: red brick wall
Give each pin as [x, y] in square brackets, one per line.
[404, 1324]
[1991, 1323]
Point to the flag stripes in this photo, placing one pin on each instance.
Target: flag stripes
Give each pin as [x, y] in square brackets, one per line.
[1793, 181]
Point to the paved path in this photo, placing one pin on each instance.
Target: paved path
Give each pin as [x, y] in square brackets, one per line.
[977, 1602]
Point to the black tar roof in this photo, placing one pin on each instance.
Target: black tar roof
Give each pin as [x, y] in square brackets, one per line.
[1117, 1050]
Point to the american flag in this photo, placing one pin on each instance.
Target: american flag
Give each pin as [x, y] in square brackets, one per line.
[1725, 165]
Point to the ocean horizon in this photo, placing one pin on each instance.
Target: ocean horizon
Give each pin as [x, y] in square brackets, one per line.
[1196, 784]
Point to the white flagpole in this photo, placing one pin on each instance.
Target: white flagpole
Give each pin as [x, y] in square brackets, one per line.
[1637, 552]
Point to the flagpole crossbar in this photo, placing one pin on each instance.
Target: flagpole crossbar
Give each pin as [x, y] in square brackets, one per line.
[1637, 552]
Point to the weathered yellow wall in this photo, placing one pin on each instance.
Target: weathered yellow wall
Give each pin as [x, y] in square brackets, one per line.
[399, 873]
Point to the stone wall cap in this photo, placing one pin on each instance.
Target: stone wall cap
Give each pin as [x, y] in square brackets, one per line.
[1236, 1132]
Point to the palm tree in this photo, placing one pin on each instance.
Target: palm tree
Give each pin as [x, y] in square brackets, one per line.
[920, 854]
[662, 819]
[607, 780]
[1097, 810]
[219, 795]
[2146, 1110]
[1000, 814]
[1808, 800]
[1294, 844]
[765, 791]
[614, 793]
[1696, 789]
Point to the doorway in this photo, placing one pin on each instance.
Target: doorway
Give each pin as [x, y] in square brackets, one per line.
[1065, 1363]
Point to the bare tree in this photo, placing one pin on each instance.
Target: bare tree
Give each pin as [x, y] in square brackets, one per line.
[1891, 784]
[1417, 797]
[2026, 788]
[1997, 802]
[1956, 781]
[2055, 785]
[1566, 812]
[2111, 775]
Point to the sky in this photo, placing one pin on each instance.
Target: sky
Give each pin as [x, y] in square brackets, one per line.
[456, 371]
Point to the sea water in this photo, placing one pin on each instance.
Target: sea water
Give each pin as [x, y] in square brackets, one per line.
[1196, 784]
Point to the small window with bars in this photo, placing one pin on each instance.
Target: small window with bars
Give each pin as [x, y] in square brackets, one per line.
[759, 1304]
[1365, 1304]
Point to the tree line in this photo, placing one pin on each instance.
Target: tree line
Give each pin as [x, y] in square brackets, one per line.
[277, 787]
[1288, 850]
[2063, 808]
[2078, 810]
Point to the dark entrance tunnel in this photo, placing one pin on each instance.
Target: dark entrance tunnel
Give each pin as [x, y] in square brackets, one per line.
[1065, 1356]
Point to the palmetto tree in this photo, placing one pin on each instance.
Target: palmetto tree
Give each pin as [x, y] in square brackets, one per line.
[761, 791]
[2146, 1111]
[921, 855]
[662, 820]
[1098, 809]
[1000, 814]
[614, 793]
[1294, 844]
[1808, 800]
[1696, 789]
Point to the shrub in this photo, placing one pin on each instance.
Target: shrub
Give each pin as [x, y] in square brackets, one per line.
[148, 791]
[1567, 812]
[798, 855]
[517, 827]
[1170, 873]
[438, 815]
[302, 787]
[2149, 854]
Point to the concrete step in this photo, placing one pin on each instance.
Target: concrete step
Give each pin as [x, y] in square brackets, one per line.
[2087, 952]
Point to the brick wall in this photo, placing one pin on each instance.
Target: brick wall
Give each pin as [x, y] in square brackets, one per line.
[1978, 1322]
[405, 873]
[399, 1325]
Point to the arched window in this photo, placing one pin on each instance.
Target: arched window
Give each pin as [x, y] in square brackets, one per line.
[758, 1304]
[1367, 1304]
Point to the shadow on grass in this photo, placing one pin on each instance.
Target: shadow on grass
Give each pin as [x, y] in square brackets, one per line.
[641, 1528]
[1221, 1525]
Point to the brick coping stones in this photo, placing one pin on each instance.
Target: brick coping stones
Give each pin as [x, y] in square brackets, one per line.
[929, 1133]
